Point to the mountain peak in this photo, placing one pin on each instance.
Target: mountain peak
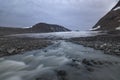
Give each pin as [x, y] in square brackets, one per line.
[117, 5]
[45, 27]
[111, 21]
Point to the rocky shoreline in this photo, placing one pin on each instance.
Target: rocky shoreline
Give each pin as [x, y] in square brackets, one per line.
[15, 45]
[108, 43]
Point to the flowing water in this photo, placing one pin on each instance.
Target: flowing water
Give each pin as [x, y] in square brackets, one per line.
[60, 61]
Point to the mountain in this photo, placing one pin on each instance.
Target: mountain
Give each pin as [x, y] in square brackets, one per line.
[44, 27]
[37, 28]
[111, 21]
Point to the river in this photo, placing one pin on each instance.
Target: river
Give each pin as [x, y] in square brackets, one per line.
[61, 61]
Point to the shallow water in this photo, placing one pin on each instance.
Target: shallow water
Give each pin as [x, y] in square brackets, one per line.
[45, 63]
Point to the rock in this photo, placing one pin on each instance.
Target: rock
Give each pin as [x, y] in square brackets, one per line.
[61, 74]
[116, 62]
[103, 46]
[96, 46]
[10, 51]
[87, 62]
[117, 51]
[100, 63]
[0, 49]
[94, 62]
[90, 69]
[75, 60]
[108, 63]
[74, 63]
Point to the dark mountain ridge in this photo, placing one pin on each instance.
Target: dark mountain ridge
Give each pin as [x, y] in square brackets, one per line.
[111, 21]
[44, 27]
[37, 28]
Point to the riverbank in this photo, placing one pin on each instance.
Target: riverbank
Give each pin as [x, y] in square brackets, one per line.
[61, 61]
[10, 45]
[110, 44]
[15, 45]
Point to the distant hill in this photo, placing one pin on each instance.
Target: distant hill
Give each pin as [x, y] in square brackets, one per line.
[44, 27]
[38, 28]
[10, 30]
[111, 21]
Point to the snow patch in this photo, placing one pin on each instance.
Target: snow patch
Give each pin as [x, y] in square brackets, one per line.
[117, 8]
[96, 28]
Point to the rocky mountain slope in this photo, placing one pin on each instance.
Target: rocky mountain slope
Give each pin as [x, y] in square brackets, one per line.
[44, 27]
[38, 28]
[111, 21]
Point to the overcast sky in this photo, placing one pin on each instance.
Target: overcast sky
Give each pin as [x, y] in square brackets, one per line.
[73, 14]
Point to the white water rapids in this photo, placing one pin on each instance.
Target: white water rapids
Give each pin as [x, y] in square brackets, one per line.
[44, 63]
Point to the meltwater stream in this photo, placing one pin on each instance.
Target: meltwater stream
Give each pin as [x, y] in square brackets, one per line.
[61, 61]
